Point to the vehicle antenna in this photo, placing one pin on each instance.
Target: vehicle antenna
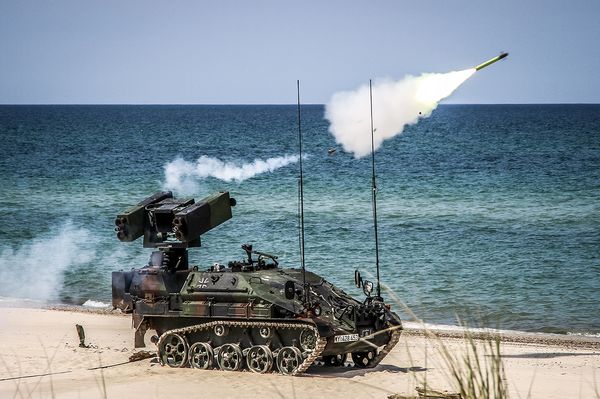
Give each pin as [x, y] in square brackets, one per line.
[301, 199]
[374, 190]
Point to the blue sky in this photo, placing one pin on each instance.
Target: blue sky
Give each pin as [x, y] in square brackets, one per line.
[252, 52]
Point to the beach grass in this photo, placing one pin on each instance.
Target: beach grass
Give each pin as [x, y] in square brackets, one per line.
[475, 373]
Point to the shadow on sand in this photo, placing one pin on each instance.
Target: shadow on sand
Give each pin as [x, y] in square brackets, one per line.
[349, 371]
[547, 355]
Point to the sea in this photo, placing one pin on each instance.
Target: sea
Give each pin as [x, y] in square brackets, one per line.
[488, 215]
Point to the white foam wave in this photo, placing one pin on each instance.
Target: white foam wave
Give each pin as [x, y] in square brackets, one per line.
[90, 303]
[579, 334]
[454, 328]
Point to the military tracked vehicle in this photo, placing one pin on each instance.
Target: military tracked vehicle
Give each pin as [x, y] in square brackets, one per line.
[249, 314]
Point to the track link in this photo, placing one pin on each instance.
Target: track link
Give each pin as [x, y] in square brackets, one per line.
[396, 331]
[311, 356]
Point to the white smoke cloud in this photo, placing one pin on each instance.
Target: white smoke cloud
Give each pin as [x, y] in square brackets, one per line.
[35, 269]
[182, 176]
[395, 105]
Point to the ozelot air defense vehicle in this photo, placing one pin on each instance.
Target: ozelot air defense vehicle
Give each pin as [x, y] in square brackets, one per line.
[250, 314]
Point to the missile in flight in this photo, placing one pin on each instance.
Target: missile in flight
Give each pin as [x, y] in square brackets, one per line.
[490, 62]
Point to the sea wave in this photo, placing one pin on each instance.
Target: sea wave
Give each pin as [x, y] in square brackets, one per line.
[479, 330]
[90, 303]
[590, 334]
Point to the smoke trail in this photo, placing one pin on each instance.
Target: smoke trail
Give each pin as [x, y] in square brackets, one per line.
[182, 176]
[35, 269]
[395, 105]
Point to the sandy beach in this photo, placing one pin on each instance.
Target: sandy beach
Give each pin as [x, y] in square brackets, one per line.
[40, 357]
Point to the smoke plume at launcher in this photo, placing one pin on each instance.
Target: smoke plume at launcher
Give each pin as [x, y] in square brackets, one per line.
[183, 176]
[395, 105]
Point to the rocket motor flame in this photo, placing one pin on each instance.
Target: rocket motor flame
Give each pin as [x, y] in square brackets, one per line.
[395, 105]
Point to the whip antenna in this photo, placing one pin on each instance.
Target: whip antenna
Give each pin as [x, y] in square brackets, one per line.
[373, 189]
[301, 199]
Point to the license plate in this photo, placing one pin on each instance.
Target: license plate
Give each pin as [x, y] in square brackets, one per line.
[345, 338]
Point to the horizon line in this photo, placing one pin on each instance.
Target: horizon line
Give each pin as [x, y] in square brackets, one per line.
[263, 104]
